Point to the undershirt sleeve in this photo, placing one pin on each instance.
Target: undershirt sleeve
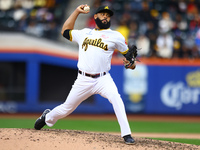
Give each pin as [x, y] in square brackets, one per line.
[67, 34]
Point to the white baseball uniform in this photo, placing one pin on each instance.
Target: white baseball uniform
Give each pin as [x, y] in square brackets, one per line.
[95, 52]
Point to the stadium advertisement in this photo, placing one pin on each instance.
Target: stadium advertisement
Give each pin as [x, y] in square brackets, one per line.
[163, 89]
[174, 90]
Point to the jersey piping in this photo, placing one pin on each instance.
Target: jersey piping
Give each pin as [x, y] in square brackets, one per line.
[123, 53]
[70, 35]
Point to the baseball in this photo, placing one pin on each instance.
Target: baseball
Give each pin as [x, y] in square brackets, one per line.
[86, 8]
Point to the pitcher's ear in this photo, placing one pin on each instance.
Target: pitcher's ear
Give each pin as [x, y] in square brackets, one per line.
[95, 16]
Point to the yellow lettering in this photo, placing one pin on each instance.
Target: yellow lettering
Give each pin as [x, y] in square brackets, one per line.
[85, 44]
[96, 42]
[99, 41]
[105, 47]
[101, 45]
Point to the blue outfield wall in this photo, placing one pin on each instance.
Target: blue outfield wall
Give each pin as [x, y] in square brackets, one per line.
[149, 89]
[173, 90]
[166, 90]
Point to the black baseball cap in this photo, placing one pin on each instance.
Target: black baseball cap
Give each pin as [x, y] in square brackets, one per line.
[104, 9]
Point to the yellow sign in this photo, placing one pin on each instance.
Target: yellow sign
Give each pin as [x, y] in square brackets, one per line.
[193, 79]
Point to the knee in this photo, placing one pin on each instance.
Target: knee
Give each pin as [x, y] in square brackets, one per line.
[114, 97]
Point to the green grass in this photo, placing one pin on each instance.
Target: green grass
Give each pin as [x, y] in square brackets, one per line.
[112, 126]
[188, 141]
[109, 126]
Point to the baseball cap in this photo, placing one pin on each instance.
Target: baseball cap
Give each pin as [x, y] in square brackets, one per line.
[104, 9]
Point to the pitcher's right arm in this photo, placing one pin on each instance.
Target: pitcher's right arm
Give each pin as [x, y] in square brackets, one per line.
[70, 22]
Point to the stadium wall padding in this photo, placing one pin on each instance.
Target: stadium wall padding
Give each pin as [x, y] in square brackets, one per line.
[152, 88]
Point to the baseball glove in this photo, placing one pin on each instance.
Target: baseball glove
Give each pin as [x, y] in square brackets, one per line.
[130, 57]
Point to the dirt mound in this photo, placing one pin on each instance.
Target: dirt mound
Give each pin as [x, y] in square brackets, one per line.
[50, 139]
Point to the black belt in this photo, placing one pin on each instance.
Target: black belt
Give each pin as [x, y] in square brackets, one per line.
[91, 75]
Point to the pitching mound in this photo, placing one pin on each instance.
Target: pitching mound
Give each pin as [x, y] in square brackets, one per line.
[50, 139]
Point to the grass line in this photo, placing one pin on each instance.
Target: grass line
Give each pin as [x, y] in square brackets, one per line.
[110, 126]
[188, 141]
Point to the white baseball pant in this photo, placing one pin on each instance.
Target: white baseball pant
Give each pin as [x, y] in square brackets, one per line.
[83, 88]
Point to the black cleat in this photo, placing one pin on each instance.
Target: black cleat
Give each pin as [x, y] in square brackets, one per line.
[40, 122]
[128, 139]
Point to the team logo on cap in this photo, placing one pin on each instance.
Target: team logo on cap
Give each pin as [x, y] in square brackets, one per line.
[106, 7]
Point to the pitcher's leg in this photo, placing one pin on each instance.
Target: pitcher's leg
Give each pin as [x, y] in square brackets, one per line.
[120, 112]
[77, 94]
[109, 90]
[64, 109]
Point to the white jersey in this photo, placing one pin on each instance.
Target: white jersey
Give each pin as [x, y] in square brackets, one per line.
[95, 52]
[96, 48]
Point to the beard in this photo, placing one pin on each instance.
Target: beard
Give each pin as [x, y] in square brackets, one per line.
[102, 25]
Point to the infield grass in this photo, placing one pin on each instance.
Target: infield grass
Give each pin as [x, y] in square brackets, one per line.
[112, 126]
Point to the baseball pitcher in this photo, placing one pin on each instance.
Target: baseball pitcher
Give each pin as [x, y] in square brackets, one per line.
[96, 47]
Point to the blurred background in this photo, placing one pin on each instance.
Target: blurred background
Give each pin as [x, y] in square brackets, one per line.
[38, 65]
